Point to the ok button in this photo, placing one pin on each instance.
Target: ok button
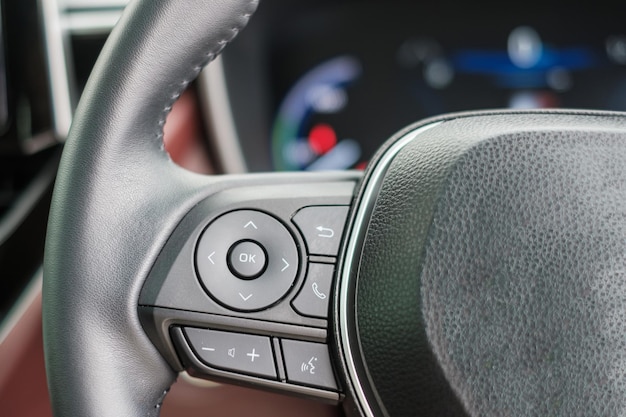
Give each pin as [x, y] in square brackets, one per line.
[247, 259]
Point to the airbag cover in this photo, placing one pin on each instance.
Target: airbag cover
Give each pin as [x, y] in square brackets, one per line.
[493, 274]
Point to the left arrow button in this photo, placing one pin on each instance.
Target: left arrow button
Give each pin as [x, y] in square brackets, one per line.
[210, 257]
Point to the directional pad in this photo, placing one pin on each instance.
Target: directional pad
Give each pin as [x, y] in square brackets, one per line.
[247, 260]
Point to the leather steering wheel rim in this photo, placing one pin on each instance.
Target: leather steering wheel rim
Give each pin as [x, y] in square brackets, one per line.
[117, 198]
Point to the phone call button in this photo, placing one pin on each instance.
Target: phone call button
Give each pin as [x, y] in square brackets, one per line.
[313, 298]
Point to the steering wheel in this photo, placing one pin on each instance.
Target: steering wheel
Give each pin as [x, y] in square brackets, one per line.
[476, 268]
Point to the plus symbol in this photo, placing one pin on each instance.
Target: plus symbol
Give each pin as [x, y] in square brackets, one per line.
[253, 355]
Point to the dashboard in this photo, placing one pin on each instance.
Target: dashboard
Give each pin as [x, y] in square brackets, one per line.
[336, 79]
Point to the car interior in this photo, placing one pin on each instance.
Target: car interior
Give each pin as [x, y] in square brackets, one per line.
[324, 207]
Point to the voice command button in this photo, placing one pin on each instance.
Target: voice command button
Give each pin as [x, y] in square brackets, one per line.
[308, 363]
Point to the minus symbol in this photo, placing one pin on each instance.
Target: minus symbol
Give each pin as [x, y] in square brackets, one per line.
[209, 349]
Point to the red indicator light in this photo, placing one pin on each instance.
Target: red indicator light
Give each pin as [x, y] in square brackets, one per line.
[322, 138]
[361, 166]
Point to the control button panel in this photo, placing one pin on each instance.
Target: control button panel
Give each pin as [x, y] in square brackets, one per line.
[247, 260]
[308, 363]
[241, 290]
[242, 353]
[322, 228]
[313, 298]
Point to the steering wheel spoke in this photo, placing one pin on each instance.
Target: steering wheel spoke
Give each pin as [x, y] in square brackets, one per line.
[242, 290]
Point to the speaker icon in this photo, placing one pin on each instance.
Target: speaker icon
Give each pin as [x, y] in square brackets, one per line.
[231, 352]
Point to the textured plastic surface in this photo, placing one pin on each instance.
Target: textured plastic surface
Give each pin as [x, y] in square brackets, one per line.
[492, 277]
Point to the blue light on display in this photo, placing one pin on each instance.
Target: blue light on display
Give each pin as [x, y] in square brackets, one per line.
[499, 65]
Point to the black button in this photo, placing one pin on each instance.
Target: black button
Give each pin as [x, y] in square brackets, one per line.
[308, 364]
[247, 259]
[242, 353]
[322, 228]
[312, 300]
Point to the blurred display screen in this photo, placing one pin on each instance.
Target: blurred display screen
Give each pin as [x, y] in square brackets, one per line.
[352, 87]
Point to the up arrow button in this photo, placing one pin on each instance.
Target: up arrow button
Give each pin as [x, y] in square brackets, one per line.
[250, 224]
